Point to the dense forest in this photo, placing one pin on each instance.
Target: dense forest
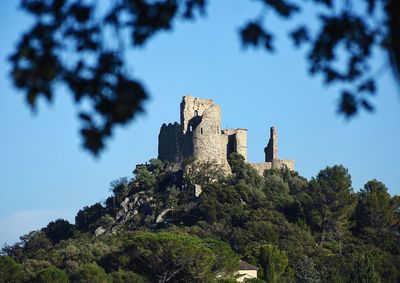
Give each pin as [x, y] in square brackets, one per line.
[192, 223]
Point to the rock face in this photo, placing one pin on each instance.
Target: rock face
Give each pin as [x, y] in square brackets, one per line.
[197, 190]
[199, 135]
[160, 218]
[99, 231]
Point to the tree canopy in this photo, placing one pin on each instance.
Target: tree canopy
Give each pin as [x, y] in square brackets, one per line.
[292, 229]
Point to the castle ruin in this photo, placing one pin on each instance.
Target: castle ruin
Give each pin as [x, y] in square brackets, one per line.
[199, 135]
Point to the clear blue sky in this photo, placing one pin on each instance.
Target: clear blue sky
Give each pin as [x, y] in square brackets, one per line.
[45, 174]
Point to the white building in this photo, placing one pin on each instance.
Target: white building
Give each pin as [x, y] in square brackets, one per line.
[246, 271]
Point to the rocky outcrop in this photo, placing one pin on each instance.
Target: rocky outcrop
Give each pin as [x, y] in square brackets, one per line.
[161, 216]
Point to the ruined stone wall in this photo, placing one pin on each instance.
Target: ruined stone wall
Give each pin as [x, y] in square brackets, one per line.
[229, 140]
[200, 135]
[191, 108]
[271, 156]
[237, 141]
[276, 164]
[261, 167]
[185, 146]
[208, 143]
[271, 150]
[168, 141]
[241, 142]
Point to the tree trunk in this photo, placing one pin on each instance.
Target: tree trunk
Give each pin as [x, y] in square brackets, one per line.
[323, 234]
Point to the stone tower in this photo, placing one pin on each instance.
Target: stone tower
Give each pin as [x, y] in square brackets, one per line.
[199, 135]
[271, 150]
[271, 155]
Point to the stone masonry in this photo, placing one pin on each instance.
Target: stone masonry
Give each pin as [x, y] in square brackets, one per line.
[271, 150]
[199, 135]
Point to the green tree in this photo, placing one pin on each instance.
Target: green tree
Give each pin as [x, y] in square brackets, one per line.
[122, 276]
[58, 230]
[83, 250]
[374, 260]
[203, 173]
[120, 190]
[273, 262]
[332, 204]
[254, 280]
[222, 204]
[362, 269]
[144, 178]
[305, 271]
[88, 216]
[244, 172]
[10, 271]
[51, 275]
[376, 211]
[226, 261]
[35, 244]
[173, 197]
[286, 189]
[91, 273]
[277, 189]
[169, 257]
[225, 280]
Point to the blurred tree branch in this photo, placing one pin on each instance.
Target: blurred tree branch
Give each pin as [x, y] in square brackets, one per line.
[81, 45]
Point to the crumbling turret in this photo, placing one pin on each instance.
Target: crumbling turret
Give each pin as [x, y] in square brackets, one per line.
[200, 136]
[271, 150]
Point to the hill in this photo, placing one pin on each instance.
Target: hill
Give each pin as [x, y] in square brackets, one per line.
[193, 223]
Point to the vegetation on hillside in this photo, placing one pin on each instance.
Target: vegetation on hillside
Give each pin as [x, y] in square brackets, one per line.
[153, 228]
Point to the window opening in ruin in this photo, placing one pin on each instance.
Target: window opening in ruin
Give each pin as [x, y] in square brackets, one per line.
[201, 130]
[190, 128]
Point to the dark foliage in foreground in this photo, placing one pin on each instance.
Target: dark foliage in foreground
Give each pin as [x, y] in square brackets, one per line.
[81, 45]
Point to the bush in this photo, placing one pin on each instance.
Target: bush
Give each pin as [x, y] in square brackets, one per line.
[254, 280]
[178, 257]
[305, 271]
[272, 262]
[51, 275]
[10, 271]
[58, 230]
[91, 273]
[122, 276]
